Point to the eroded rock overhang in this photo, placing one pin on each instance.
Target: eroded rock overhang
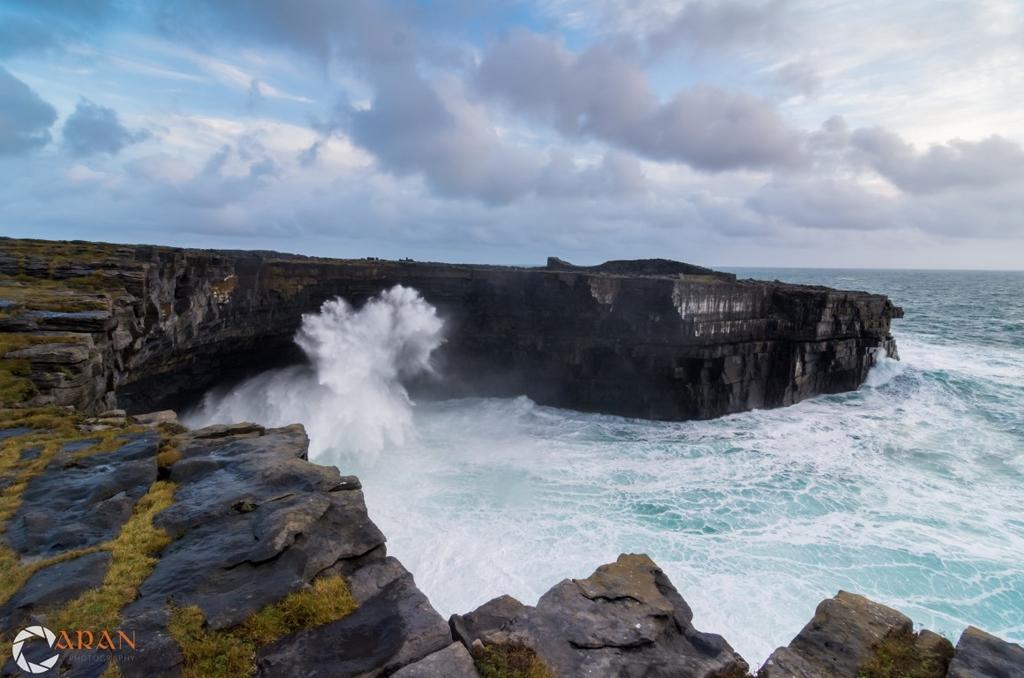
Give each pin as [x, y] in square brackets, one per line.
[654, 338]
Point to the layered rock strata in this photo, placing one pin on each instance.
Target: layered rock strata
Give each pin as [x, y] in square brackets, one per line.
[148, 327]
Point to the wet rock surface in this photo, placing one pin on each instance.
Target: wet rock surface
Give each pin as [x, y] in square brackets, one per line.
[78, 502]
[252, 522]
[624, 620]
[232, 562]
[53, 586]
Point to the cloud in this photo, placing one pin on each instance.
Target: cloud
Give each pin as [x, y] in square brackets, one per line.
[603, 95]
[842, 203]
[215, 187]
[956, 163]
[660, 28]
[25, 119]
[361, 31]
[617, 175]
[826, 204]
[713, 24]
[414, 126]
[799, 76]
[93, 129]
[620, 137]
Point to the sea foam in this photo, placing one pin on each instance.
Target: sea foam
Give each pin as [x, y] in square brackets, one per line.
[350, 397]
[907, 490]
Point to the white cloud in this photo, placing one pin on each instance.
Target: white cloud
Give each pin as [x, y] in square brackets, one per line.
[684, 128]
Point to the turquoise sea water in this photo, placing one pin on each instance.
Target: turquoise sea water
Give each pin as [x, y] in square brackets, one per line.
[909, 490]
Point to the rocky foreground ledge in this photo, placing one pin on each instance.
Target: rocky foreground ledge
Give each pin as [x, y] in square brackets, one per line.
[224, 552]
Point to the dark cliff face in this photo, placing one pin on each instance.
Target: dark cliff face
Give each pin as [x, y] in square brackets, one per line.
[638, 342]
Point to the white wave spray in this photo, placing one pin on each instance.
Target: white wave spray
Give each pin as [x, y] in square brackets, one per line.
[884, 370]
[350, 398]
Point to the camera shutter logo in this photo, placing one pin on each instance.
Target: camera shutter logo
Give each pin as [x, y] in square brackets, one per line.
[27, 634]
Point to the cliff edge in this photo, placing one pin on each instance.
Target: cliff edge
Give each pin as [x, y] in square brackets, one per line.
[99, 326]
[149, 550]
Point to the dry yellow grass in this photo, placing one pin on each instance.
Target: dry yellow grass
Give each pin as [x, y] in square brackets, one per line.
[169, 454]
[220, 654]
[133, 556]
[54, 428]
[209, 654]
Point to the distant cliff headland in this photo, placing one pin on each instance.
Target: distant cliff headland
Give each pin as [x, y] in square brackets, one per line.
[655, 338]
[225, 552]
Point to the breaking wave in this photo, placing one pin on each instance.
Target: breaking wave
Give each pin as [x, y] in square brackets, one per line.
[350, 397]
[907, 490]
[885, 370]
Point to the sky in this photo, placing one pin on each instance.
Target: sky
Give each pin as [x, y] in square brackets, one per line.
[810, 133]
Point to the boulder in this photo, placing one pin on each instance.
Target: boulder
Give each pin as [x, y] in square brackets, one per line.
[624, 620]
[393, 627]
[844, 636]
[982, 655]
[453, 661]
[156, 418]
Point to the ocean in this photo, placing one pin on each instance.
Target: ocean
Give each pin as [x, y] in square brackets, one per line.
[909, 491]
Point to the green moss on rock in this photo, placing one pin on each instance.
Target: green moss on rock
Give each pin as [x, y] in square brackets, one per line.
[510, 660]
[904, 655]
[230, 653]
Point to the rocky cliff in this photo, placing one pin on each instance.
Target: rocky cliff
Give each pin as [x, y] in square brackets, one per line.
[145, 549]
[150, 550]
[147, 327]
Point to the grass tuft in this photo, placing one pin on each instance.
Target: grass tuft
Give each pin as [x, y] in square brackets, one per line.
[171, 428]
[510, 660]
[209, 654]
[53, 428]
[899, 656]
[168, 455]
[133, 556]
[217, 654]
[325, 601]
